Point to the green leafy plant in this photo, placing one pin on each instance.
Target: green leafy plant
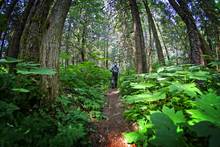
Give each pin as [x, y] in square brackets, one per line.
[178, 103]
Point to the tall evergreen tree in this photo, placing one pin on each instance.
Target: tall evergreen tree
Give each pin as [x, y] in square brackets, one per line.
[141, 62]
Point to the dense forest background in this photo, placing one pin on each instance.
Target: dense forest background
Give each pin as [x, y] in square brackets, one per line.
[55, 57]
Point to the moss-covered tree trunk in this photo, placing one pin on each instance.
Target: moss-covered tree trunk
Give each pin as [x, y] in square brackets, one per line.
[33, 31]
[141, 65]
[49, 50]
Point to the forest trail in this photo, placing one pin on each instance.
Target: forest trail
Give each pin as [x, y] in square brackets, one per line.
[109, 131]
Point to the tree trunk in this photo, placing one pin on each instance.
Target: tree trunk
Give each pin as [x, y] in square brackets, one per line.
[149, 61]
[197, 43]
[155, 34]
[83, 43]
[106, 54]
[33, 31]
[15, 42]
[67, 42]
[158, 27]
[49, 50]
[140, 53]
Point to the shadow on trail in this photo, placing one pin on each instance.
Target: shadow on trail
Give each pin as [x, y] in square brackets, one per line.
[109, 131]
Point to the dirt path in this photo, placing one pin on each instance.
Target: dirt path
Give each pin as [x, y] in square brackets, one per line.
[109, 131]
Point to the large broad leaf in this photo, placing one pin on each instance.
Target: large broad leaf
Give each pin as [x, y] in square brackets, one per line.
[151, 76]
[206, 109]
[166, 132]
[27, 65]
[200, 75]
[146, 97]
[141, 85]
[9, 60]
[176, 117]
[133, 137]
[169, 69]
[21, 90]
[206, 129]
[38, 71]
[189, 89]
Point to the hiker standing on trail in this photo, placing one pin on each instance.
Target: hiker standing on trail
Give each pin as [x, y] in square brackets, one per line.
[115, 71]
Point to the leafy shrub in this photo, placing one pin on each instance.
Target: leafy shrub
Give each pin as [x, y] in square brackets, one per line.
[177, 104]
[25, 123]
[85, 84]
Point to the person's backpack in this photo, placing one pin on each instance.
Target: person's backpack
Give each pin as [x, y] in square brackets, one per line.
[115, 70]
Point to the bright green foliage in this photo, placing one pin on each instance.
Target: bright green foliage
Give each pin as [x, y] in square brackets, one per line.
[21, 90]
[145, 97]
[33, 69]
[173, 101]
[176, 117]
[207, 108]
[39, 71]
[141, 85]
[133, 137]
[189, 89]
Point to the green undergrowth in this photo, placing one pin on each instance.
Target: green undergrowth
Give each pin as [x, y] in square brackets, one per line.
[175, 106]
[25, 121]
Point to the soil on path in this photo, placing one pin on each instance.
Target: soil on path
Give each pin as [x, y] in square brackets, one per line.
[109, 131]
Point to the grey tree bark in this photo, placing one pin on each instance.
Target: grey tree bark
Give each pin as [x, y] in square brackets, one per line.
[49, 50]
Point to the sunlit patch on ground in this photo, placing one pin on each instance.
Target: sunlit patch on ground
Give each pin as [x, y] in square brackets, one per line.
[113, 92]
[116, 140]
